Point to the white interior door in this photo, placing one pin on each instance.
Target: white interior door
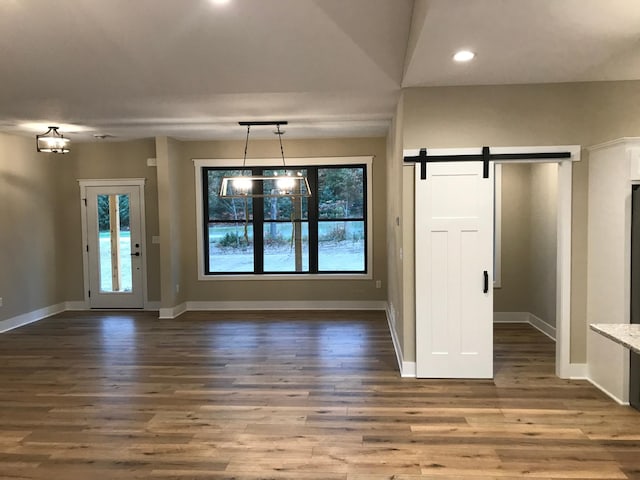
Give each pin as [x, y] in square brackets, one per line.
[454, 265]
[114, 246]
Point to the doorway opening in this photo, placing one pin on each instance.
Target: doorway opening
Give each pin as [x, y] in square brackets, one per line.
[564, 369]
[526, 257]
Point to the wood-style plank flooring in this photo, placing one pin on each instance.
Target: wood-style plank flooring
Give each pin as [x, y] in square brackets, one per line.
[294, 395]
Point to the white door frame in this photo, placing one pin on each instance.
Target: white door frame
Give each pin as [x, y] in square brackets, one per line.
[117, 182]
[564, 368]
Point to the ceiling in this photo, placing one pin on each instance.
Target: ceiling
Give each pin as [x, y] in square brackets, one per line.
[192, 69]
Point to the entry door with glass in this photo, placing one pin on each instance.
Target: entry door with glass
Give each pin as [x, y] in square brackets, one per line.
[114, 246]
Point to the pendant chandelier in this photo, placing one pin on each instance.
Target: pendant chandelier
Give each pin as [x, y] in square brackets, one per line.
[52, 141]
[291, 184]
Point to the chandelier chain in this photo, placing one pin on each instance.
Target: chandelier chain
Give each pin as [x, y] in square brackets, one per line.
[279, 133]
[246, 145]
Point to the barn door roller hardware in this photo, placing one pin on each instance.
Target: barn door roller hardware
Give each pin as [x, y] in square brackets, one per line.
[485, 157]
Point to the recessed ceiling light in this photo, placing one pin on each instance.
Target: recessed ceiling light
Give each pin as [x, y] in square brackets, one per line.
[464, 56]
[220, 2]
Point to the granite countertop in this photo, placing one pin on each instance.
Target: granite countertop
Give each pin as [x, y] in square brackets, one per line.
[625, 334]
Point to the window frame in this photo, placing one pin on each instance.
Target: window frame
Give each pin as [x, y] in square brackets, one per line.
[237, 163]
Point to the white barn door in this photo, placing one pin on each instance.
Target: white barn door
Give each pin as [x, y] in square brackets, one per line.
[454, 271]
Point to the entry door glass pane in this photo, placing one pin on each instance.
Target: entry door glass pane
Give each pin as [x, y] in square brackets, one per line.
[114, 243]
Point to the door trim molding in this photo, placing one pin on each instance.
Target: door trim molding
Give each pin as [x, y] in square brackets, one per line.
[112, 182]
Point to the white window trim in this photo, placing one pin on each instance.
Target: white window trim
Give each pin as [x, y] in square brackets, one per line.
[290, 162]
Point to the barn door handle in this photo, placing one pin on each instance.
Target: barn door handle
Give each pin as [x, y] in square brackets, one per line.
[486, 282]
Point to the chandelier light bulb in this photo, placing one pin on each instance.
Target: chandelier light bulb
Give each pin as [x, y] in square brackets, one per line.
[242, 185]
[286, 183]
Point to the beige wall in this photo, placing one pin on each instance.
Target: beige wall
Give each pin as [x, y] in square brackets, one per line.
[543, 243]
[612, 110]
[394, 224]
[513, 295]
[549, 114]
[529, 237]
[53, 270]
[171, 221]
[578, 339]
[282, 290]
[103, 160]
[30, 237]
[505, 115]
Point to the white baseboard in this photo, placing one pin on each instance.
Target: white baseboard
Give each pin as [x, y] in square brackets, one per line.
[576, 371]
[525, 317]
[619, 401]
[511, 317]
[542, 326]
[288, 305]
[30, 317]
[153, 306]
[407, 369]
[79, 306]
[173, 312]
[76, 306]
[391, 314]
[394, 336]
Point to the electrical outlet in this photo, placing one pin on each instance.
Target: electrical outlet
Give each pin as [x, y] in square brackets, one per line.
[177, 288]
[378, 283]
[0, 301]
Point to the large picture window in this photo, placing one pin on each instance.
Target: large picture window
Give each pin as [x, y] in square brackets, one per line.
[322, 234]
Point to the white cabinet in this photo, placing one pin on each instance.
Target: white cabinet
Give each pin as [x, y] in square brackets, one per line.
[612, 167]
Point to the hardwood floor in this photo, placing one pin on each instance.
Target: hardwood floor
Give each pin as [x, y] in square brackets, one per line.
[293, 395]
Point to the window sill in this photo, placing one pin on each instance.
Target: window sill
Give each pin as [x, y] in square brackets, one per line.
[285, 276]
